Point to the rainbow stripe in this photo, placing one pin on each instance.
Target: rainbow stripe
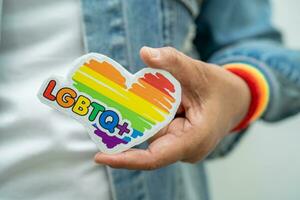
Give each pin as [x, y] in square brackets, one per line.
[259, 89]
[147, 102]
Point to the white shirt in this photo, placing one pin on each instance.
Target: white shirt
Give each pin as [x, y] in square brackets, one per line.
[43, 153]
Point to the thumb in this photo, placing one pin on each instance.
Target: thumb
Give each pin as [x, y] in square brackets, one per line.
[169, 59]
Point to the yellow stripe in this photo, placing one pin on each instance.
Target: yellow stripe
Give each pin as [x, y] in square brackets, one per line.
[118, 94]
[122, 91]
[265, 90]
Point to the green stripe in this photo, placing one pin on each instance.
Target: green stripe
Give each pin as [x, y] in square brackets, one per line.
[137, 121]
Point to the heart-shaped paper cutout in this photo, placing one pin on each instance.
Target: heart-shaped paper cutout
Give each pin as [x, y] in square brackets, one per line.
[119, 109]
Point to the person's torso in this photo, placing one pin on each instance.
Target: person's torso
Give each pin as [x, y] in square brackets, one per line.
[119, 29]
[45, 154]
[49, 160]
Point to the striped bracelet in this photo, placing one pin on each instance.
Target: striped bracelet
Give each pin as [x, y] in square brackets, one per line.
[259, 90]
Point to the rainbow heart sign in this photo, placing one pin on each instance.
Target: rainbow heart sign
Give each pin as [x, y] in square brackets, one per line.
[119, 109]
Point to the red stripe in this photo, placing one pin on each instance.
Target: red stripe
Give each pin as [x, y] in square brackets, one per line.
[255, 96]
[159, 82]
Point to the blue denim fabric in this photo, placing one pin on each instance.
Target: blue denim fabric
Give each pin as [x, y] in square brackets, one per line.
[245, 34]
[218, 31]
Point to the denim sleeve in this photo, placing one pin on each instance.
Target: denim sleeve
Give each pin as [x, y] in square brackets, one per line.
[241, 31]
[1, 2]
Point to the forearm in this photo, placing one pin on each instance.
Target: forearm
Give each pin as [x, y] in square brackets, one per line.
[281, 68]
[241, 31]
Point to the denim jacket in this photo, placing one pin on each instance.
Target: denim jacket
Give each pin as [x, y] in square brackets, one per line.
[215, 31]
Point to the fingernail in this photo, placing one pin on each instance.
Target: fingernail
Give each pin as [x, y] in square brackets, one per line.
[153, 53]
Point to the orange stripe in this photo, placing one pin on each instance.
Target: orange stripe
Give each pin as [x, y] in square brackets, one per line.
[108, 71]
[142, 92]
[152, 95]
[138, 90]
[155, 91]
[142, 88]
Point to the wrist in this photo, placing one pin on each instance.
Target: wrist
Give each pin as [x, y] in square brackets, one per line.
[241, 100]
[259, 92]
[232, 94]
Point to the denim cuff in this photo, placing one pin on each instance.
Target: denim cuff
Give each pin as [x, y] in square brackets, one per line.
[268, 74]
[230, 141]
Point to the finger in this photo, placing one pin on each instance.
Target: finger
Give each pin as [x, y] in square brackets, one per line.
[162, 152]
[180, 109]
[160, 133]
[168, 58]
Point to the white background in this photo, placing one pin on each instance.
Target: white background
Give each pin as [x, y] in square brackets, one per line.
[266, 164]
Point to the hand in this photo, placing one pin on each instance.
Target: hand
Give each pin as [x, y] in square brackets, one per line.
[213, 102]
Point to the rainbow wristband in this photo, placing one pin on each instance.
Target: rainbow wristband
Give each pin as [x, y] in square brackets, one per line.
[259, 89]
